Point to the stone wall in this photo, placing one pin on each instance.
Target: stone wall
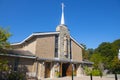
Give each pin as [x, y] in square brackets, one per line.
[63, 42]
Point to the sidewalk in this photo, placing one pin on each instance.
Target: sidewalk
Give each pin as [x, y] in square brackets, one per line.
[82, 78]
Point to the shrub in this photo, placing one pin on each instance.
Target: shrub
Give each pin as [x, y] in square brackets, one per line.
[95, 72]
[87, 70]
[16, 76]
[74, 73]
[57, 74]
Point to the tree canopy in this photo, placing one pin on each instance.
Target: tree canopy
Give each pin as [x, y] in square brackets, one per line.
[4, 44]
[106, 54]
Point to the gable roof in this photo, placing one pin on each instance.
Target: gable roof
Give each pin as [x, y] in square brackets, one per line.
[45, 33]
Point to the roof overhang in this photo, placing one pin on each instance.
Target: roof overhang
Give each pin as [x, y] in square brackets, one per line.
[31, 57]
[61, 60]
[48, 59]
[87, 62]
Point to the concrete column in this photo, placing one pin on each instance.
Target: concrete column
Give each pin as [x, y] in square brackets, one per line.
[79, 70]
[54, 66]
[52, 70]
[56, 69]
[41, 70]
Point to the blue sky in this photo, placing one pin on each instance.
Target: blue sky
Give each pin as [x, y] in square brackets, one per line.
[91, 22]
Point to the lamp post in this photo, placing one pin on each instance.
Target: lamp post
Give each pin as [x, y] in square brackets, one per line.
[71, 63]
[71, 59]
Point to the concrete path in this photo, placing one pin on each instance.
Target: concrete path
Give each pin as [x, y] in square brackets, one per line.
[110, 77]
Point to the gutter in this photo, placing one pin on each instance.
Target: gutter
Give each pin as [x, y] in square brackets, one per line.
[48, 59]
[63, 60]
[31, 57]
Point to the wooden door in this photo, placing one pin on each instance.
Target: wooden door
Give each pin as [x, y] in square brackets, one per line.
[47, 69]
[66, 69]
[69, 70]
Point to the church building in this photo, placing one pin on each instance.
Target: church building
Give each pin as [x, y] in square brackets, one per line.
[48, 54]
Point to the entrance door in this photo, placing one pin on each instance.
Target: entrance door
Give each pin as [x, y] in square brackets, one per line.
[47, 69]
[66, 69]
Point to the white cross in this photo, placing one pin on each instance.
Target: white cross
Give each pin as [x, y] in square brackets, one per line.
[63, 6]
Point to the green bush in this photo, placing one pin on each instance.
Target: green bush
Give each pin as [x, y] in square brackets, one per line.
[87, 70]
[95, 72]
[16, 76]
[74, 73]
[57, 74]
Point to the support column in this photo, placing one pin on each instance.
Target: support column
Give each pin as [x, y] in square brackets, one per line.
[56, 69]
[79, 70]
[52, 70]
[39, 68]
[41, 71]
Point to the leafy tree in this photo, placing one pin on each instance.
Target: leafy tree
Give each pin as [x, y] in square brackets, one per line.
[97, 59]
[106, 56]
[116, 65]
[4, 45]
[107, 53]
[90, 51]
[87, 52]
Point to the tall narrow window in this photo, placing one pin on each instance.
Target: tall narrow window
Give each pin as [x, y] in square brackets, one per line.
[56, 46]
[65, 46]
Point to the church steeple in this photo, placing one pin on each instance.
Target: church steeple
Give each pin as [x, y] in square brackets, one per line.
[63, 38]
[62, 26]
[62, 16]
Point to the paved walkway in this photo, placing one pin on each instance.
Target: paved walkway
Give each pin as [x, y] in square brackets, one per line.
[110, 77]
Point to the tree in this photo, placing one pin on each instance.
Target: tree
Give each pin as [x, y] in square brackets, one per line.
[116, 65]
[4, 45]
[107, 53]
[97, 59]
[87, 52]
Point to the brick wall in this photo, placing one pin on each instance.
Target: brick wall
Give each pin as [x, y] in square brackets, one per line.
[45, 47]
